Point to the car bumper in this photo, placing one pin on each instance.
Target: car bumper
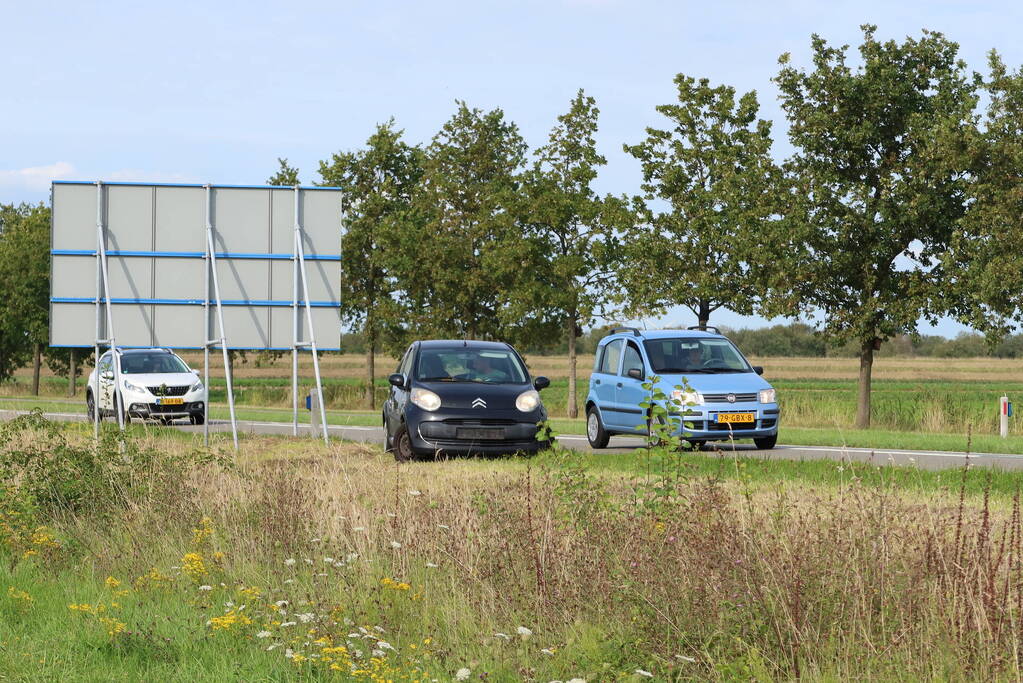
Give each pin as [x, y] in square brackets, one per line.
[467, 432]
[156, 410]
[702, 422]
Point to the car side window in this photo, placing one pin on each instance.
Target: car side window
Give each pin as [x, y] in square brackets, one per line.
[632, 359]
[612, 354]
[104, 365]
[405, 367]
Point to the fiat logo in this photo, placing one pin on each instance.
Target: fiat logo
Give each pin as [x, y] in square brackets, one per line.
[731, 398]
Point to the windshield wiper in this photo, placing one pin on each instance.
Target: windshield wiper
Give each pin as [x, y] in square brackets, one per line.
[445, 378]
[726, 370]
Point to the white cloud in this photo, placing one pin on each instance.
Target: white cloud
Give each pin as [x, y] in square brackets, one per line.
[36, 177]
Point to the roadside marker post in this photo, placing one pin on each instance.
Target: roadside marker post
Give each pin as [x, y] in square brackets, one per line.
[1004, 413]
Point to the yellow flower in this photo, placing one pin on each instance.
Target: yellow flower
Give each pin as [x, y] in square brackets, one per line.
[112, 583]
[193, 565]
[201, 536]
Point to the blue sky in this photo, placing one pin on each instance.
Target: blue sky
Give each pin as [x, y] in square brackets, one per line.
[215, 91]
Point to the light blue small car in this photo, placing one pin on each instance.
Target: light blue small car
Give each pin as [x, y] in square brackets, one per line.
[726, 398]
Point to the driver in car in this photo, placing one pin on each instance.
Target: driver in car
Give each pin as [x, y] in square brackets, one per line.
[487, 372]
[694, 358]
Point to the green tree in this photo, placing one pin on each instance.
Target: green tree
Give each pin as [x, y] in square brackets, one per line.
[573, 230]
[984, 261]
[25, 282]
[378, 181]
[710, 190]
[464, 250]
[286, 175]
[876, 195]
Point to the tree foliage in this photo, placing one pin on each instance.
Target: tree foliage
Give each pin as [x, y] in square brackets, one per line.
[709, 205]
[25, 283]
[286, 175]
[876, 193]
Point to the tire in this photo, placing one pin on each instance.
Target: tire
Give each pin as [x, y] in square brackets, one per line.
[650, 429]
[403, 446]
[197, 418]
[90, 407]
[766, 443]
[697, 444]
[595, 432]
[165, 420]
[388, 442]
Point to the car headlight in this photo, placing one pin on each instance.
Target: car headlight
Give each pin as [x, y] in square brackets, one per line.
[134, 387]
[688, 398]
[768, 396]
[425, 399]
[527, 401]
[196, 387]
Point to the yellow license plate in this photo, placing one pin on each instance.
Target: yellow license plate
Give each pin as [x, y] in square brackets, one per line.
[170, 401]
[732, 418]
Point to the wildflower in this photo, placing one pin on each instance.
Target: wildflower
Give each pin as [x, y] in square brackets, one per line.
[328, 560]
[378, 653]
[443, 526]
[576, 680]
[686, 659]
[358, 528]
[645, 674]
[431, 565]
[395, 545]
[112, 583]
[306, 617]
[384, 645]
[502, 635]
[289, 653]
[351, 557]
[545, 651]
[281, 603]
[414, 493]
[263, 634]
[193, 565]
[288, 623]
[205, 588]
[462, 674]
[290, 562]
[524, 632]
[273, 647]
[314, 540]
[201, 536]
[307, 560]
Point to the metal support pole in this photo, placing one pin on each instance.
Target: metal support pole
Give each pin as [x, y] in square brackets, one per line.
[99, 317]
[207, 333]
[300, 252]
[1003, 417]
[211, 258]
[112, 343]
[294, 330]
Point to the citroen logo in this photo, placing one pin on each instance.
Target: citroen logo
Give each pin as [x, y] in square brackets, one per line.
[479, 403]
[731, 398]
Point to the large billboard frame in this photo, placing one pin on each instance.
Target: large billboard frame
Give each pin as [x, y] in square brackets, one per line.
[212, 304]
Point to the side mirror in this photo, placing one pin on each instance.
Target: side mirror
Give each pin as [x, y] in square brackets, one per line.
[396, 380]
[635, 373]
[541, 383]
[759, 369]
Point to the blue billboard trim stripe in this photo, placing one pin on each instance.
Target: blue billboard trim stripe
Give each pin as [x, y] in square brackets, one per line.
[191, 254]
[212, 186]
[194, 302]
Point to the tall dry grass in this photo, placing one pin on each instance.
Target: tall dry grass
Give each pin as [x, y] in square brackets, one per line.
[699, 579]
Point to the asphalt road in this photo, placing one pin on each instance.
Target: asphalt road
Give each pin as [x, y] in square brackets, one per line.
[931, 460]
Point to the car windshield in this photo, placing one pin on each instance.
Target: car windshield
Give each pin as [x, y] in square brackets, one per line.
[151, 363]
[694, 355]
[463, 364]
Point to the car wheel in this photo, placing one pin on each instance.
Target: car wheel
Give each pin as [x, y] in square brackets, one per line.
[388, 442]
[165, 420]
[696, 444]
[197, 418]
[650, 430]
[90, 407]
[766, 443]
[595, 432]
[403, 446]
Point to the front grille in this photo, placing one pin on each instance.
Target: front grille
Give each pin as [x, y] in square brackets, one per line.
[723, 398]
[168, 391]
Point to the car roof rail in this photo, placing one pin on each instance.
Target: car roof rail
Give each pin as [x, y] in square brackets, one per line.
[704, 328]
[635, 331]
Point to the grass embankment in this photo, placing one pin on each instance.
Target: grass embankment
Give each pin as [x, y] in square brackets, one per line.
[302, 561]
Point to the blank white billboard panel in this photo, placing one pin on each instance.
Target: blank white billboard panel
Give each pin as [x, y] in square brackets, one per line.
[155, 240]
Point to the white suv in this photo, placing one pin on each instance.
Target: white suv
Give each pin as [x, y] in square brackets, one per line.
[155, 384]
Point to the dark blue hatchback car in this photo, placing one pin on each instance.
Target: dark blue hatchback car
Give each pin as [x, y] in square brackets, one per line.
[452, 396]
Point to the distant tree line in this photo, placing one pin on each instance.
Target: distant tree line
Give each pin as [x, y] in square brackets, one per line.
[901, 200]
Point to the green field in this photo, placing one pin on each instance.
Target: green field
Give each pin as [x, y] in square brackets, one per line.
[296, 561]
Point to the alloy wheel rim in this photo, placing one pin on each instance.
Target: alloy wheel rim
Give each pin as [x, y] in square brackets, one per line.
[591, 427]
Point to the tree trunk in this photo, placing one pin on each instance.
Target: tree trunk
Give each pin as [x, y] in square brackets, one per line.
[72, 383]
[866, 366]
[703, 315]
[37, 359]
[371, 344]
[573, 409]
